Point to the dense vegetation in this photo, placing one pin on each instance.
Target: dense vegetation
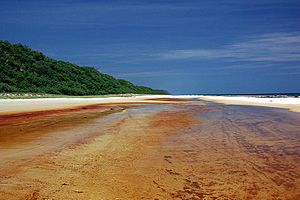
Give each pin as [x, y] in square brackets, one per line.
[25, 70]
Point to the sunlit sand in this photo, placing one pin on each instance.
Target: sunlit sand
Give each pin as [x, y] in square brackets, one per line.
[291, 103]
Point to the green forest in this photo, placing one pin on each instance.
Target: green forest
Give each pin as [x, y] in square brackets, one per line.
[27, 71]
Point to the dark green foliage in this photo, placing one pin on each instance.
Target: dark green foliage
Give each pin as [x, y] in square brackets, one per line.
[25, 70]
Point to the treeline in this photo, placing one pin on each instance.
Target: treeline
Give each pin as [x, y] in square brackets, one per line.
[25, 70]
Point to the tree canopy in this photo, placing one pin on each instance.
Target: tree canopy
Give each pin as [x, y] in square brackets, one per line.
[25, 70]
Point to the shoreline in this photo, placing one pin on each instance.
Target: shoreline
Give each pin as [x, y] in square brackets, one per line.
[12, 106]
[290, 103]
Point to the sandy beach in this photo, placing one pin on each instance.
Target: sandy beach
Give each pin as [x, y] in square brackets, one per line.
[290, 103]
[27, 105]
[150, 100]
[147, 148]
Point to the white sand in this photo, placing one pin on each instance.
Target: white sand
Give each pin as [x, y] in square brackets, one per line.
[23, 105]
[291, 103]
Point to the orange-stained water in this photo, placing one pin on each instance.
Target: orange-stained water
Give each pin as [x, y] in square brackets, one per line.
[151, 152]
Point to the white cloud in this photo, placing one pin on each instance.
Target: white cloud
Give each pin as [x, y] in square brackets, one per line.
[278, 47]
[152, 74]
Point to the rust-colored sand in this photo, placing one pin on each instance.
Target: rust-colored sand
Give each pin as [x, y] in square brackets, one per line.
[157, 153]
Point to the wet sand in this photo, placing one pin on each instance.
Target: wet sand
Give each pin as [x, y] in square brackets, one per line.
[166, 151]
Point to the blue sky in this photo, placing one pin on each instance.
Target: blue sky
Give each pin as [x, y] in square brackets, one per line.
[185, 47]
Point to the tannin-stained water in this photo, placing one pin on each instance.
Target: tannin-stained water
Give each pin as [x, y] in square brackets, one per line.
[208, 151]
[235, 152]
